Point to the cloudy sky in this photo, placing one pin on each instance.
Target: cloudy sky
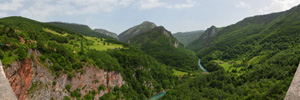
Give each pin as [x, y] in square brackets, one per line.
[119, 15]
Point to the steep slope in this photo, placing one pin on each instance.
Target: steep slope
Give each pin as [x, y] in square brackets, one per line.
[136, 30]
[105, 32]
[79, 28]
[186, 37]
[44, 61]
[159, 43]
[203, 40]
[253, 59]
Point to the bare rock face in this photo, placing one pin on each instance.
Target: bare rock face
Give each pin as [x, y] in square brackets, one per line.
[31, 80]
[19, 76]
[294, 90]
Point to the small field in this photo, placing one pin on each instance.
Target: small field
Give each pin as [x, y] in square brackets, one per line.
[54, 32]
[228, 66]
[179, 73]
[101, 45]
[91, 43]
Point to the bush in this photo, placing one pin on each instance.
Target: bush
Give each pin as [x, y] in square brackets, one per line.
[68, 87]
[22, 52]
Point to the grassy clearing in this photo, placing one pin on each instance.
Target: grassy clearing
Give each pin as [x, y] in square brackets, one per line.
[54, 32]
[100, 45]
[91, 43]
[179, 73]
[228, 66]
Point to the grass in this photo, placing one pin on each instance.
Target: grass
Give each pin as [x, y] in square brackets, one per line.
[179, 73]
[228, 66]
[54, 32]
[92, 43]
[99, 45]
[255, 60]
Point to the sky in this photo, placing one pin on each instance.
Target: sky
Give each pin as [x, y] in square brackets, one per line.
[119, 15]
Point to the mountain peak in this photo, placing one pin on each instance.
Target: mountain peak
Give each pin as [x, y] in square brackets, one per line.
[136, 30]
[147, 22]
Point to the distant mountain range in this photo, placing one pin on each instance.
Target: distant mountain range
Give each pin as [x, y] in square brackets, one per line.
[82, 29]
[186, 37]
[105, 32]
[161, 44]
[201, 41]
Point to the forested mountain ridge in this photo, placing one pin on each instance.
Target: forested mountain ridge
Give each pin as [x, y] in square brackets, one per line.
[105, 32]
[186, 37]
[160, 43]
[52, 62]
[82, 29]
[136, 30]
[204, 39]
[255, 58]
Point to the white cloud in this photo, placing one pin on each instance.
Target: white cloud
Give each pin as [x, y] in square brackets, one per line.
[279, 5]
[149, 4]
[42, 10]
[126, 3]
[241, 4]
[13, 5]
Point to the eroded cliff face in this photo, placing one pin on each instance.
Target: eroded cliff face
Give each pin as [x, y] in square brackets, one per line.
[31, 80]
[19, 76]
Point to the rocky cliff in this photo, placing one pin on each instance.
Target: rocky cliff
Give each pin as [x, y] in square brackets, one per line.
[31, 80]
[204, 40]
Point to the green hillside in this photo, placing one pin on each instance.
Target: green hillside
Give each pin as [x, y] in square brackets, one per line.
[253, 59]
[159, 43]
[66, 52]
[81, 29]
[204, 39]
[136, 30]
[186, 37]
[105, 32]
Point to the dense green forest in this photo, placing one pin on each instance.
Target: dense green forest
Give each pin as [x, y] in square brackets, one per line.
[143, 74]
[255, 58]
[160, 44]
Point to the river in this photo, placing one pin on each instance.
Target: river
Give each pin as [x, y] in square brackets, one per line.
[201, 66]
[155, 97]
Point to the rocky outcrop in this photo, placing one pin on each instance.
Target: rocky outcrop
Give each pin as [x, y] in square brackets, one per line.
[31, 80]
[6, 92]
[19, 76]
[210, 32]
[294, 90]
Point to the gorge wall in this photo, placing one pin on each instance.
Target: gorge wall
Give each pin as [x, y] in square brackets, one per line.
[31, 80]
